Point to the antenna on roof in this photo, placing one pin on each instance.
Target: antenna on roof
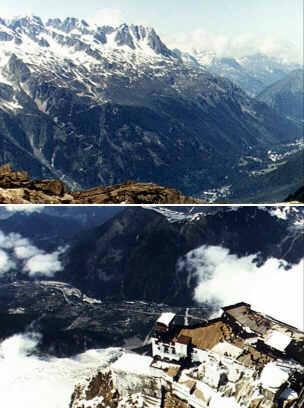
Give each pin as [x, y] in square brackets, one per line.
[186, 322]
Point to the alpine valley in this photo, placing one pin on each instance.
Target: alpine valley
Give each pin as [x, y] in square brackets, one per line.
[97, 277]
[97, 106]
[81, 286]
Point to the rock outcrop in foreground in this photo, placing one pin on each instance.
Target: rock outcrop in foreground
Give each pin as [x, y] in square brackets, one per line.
[101, 393]
[17, 188]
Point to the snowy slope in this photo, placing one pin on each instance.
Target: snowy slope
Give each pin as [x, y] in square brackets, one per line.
[72, 48]
[28, 380]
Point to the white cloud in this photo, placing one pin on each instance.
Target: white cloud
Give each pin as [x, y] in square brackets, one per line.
[19, 346]
[29, 381]
[226, 279]
[43, 265]
[16, 251]
[201, 40]
[26, 251]
[24, 208]
[107, 16]
[5, 263]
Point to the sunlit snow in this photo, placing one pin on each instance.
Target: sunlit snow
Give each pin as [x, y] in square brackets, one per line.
[27, 380]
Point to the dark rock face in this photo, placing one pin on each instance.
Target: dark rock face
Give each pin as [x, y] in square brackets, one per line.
[298, 196]
[101, 386]
[112, 260]
[6, 92]
[123, 37]
[5, 36]
[46, 231]
[126, 115]
[18, 69]
[287, 95]
[55, 226]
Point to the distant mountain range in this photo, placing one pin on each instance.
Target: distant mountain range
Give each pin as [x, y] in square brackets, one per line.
[286, 96]
[253, 73]
[102, 105]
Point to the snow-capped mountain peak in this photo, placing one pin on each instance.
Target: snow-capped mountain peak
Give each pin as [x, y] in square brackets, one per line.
[69, 48]
[67, 25]
[77, 33]
[253, 73]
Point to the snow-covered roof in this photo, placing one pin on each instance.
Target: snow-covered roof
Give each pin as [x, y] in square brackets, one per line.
[273, 376]
[166, 318]
[216, 401]
[207, 391]
[223, 402]
[278, 340]
[225, 348]
[135, 364]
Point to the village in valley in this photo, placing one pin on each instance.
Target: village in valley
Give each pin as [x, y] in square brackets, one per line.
[241, 359]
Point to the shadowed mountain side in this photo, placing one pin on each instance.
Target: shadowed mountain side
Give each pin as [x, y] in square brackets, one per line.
[134, 255]
[298, 196]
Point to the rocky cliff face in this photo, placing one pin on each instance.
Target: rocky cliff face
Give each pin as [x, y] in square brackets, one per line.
[18, 188]
[98, 393]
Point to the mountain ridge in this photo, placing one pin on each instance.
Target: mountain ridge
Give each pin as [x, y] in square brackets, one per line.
[112, 258]
[287, 95]
[103, 112]
[253, 73]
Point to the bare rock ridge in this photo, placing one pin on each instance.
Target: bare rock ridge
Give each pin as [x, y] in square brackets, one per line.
[16, 187]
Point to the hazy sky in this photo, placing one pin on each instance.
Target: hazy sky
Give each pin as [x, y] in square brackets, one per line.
[184, 22]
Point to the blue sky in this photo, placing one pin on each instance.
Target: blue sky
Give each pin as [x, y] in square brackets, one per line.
[280, 19]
